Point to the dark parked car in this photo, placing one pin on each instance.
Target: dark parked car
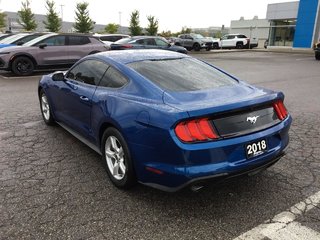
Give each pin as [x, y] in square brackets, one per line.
[165, 119]
[317, 51]
[146, 42]
[19, 39]
[48, 51]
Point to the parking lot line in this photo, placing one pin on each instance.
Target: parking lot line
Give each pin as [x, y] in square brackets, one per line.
[283, 226]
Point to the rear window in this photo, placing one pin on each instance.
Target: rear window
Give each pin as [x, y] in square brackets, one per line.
[183, 74]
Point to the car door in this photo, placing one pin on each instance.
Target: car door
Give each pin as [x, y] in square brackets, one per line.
[188, 41]
[231, 41]
[74, 95]
[52, 51]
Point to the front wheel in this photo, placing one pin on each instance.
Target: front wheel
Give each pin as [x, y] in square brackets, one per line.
[239, 45]
[117, 159]
[22, 66]
[45, 109]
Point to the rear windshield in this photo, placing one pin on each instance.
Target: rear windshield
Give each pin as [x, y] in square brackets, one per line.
[183, 74]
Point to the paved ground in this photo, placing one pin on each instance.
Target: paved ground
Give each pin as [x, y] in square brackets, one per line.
[54, 187]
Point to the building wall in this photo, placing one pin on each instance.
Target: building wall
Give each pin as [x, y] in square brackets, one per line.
[278, 11]
[253, 28]
[308, 18]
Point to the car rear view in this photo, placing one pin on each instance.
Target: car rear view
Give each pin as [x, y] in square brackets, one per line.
[222, 127]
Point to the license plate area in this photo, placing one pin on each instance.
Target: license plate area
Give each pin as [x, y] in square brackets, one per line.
[256, 148]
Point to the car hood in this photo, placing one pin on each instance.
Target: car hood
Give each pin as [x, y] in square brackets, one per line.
[198, 103]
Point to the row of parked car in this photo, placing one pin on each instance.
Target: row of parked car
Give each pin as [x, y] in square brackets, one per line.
[23, 53]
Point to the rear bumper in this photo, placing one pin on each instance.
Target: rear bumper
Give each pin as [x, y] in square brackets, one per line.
[215, 161]
[220, 177]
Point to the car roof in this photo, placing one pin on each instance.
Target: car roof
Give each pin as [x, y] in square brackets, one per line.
[139, 37]
[130, 56]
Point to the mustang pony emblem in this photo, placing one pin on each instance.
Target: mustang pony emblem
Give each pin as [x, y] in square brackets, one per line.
[253, 119]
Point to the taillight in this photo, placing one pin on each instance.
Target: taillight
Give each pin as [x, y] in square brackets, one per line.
[127, 46]
[195, 130]
[280, 109]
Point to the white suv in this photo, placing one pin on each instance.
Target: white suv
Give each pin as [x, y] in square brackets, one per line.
[235, 41]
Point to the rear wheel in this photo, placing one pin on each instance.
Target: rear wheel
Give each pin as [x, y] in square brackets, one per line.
[22, 66]
[196, 47]
[317, 55]
[117, 159]
[215, 46]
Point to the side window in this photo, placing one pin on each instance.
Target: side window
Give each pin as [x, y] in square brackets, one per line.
[113, 79]
[89, 71]
[242, 36]
[160, 42]
[54, 41]
[149, 41]
[78, 40]
[231, 37]
[224, 37]
[140, 41]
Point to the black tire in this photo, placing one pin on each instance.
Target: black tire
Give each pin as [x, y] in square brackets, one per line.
[22, 66]
[117, 162]
[45, 109]
[208, 48]
[239, 45]
[189, 48]
[215, 46]
[317, 55]
[196, 47]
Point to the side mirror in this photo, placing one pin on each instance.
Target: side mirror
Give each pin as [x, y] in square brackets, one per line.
[58, 76]
[20, 43]
[42, 45]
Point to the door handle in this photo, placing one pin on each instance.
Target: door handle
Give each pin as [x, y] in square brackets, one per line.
[83, 98]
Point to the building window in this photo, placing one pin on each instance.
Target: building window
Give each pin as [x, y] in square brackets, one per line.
[282, 32]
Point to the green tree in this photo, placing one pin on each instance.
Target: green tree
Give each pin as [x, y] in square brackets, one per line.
[152, 28]
[166, 34]
[2, 20]
[84, 23]
[135, 28]
[53, 23]
[111, 28]
[27, 17]
[185, 30]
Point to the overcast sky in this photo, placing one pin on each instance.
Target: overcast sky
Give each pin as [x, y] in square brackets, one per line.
[172, 14]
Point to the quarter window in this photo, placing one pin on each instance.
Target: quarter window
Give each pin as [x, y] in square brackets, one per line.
[113, 79]
[89, 71]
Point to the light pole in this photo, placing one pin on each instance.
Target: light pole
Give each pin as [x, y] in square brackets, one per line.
[61, 5]
[120, 22]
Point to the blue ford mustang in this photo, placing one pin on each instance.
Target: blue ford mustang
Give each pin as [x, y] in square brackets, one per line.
[165, 119]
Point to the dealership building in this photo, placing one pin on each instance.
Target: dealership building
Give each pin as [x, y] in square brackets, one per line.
[289, 24]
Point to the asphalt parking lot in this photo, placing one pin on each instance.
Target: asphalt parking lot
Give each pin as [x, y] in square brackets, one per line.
[54, 187]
